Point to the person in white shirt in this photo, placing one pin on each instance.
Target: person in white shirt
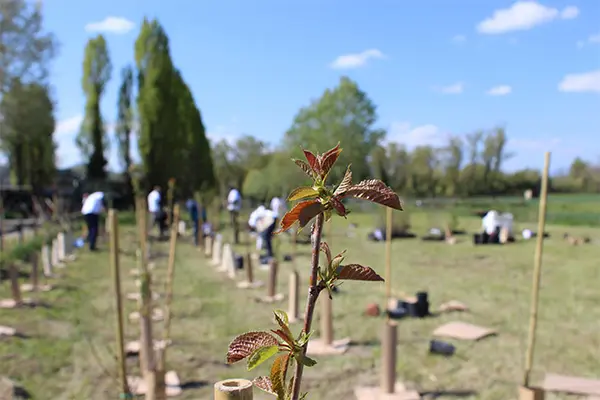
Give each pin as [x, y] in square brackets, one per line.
[252, 224]
[264, 220]
[154, 208]
[277, 205]
[91, 209]
[234, 204]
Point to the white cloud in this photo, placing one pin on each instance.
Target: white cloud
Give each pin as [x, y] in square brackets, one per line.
[500, 90]
[569, 12]
[68, 126]
[459, 39]
[456, 88]
[117, 25]
[581, 82]
[523, 15]
[592, 39]
[348, 61]
[412, 136]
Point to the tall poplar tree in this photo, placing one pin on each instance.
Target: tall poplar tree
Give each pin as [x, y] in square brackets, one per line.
[92, 139]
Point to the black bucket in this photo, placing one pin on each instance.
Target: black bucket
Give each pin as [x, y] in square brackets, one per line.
[441, 348]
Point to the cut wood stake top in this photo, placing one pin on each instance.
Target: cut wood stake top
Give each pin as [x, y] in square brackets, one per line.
[233, 389]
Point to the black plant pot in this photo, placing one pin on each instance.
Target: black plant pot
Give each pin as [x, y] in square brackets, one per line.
[441, 348]
[238, 261]
[422, 304]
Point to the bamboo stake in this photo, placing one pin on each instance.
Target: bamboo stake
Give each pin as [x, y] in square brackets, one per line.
[233, 389]
[13, 272]
[388, 357]
[537, 269]
[114, 261]
[170, 275]
[388, 255]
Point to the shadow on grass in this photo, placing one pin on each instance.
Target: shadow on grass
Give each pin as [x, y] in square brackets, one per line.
[194, 385]
[448, 393]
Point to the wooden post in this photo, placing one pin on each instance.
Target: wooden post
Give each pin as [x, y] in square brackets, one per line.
[326, 319]
[271, 290]
[388, 357]
[388, 255]
[537, 269]
[13, 271]
[35, 272]
[116, 274]
[233, 389]
[293, 301]
[249, 272]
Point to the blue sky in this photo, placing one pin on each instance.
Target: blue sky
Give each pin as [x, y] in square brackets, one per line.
[431, 67]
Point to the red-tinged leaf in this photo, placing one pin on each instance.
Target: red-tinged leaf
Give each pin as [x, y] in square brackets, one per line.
[338, 206]
[328, 159]
[313, 162]
[264, 384]
[305, 167]
[309, 212]
[278, 375]
[302, 192]
[246, 344]
[356, 272]
[284, 336]
[325, 249]
[294, 215]
[345, 184]
[375, 191]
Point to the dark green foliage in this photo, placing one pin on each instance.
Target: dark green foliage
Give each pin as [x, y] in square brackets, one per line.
[27, 133]
[92, 139]
[172, 139]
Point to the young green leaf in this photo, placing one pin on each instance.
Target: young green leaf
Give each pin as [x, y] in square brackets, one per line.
[246, 344]
[278, 375]
[264, 384]
[357, 272]
[303, 192]
[325, 249]
[261, 355]
[375, 191]
[304, 360]
[282, 318]
[345, 184]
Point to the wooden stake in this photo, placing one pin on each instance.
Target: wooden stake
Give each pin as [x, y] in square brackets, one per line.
[326, 319]
[114, 261]
[249, 272]
[13, 271]
[537, 269]
[35, 272]
[388, 255]
[293, 301]
[170, 277]
[272, 288]
[233, 389]
[388, 357]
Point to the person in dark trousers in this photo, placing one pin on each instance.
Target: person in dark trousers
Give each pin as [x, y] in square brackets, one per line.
[193, 209]
[91, 209]
[265, 221]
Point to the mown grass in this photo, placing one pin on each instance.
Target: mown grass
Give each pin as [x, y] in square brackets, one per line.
[70, 354]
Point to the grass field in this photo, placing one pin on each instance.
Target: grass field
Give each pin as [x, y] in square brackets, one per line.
[70, 354]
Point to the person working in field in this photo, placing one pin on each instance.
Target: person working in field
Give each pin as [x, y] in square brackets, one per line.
[91, 209]
[194, 211]
[234, 204]
[264, 221]
[155, 209]
[252, 226]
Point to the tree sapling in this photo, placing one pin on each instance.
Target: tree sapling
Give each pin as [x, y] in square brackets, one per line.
[318, 202]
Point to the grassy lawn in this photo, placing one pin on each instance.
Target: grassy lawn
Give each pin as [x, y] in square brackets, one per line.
[70, 354]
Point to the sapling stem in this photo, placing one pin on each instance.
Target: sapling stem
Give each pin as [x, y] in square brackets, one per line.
[313, 294]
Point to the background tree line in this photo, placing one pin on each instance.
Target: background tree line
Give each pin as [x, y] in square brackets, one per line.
[156, 106]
